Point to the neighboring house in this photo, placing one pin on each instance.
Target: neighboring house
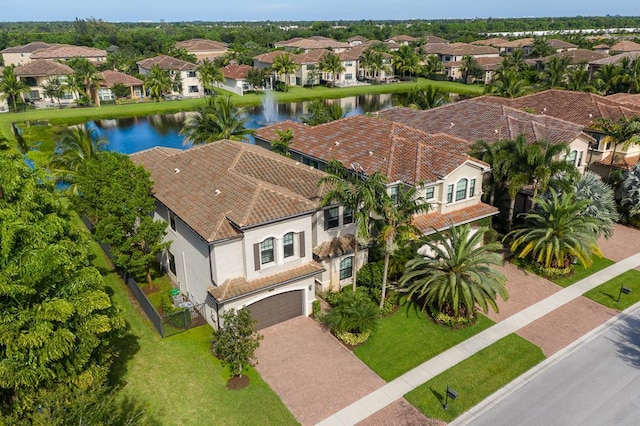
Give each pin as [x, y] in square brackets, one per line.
[313, 43]
[624, 46]
[64, 52]
[601, 48]
[488, 118]
[244, 224]
[607, 60]
[353, 56]
[561, 45]
[37, 73]
[526, 45]
[235, 78]
[188, 72]
[579, 58]
[488, 64]
[583, 109]
[20, 55]
[452, 54]
[109, 78]
[203, 49]
[493, 42]
[357, 40]
[402, 40]
[436, 164]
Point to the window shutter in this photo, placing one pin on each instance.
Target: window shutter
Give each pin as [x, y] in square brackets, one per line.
[302, 252]
[326, 220]
[256, 256]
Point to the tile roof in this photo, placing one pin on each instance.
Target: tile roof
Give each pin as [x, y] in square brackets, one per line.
[400, 152]
[434, 39]
[625, 46]
[67, 51]
[235, 71]
[488, 119]
[112, 77]
[220, 188]
[201, 45]
[357, 38]
[615, 58]
[438, 221]
[458, 49]
[578, 56]
[238, 287]
[619, 161]
[311, 57]
[580, 108]
[167, 63]
[355, 53]
[561, 44]
[315, 42]
[27, 48]
[336, 247]
[626, 98]
[495, 41]
[516, 44]
[487, 63]
[402, 38]
[42, 67]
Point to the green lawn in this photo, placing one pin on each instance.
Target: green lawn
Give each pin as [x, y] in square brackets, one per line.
[68, 116]
[607, 293]
[408, 338]
[177, 379]
[476, 377]
[580, 272]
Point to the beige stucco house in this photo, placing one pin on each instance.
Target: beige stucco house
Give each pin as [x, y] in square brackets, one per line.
[110, 78]
[187, 72]
[37, 73]
[203, 48]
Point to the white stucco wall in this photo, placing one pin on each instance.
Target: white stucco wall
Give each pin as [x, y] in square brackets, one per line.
[469, 172]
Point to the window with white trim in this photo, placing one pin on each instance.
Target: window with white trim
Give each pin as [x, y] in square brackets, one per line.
[472, 187]
[346, 268]
[430, 193]
[267, 251]
[572, 157]
[461, 189]
[331, 218]
[172, 221]
[287, 244]
[449, 193]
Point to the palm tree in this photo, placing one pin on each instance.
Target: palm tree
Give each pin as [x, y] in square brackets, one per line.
[75, 146]
[426, 97]
[11, 87]
[601, 203]
[283, 64]
[320, 113]
[631, 191]
[370, 60]
[209, 74]
[458, 276]
[398, 227]
[489, 153]
[468, 67]
[433, 65]
[556, 232]
[407, 61]
[218, 119]
[631, 74]
[509, 84]
[625, 132]
[158, 82]
[554, 73]
[363, 196]
[87, 74]
[540, 48]
[331, 64]
[578, 80]
[607, 78]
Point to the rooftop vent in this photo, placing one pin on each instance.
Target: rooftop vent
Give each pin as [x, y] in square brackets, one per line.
[176, 170]
[370, 153]
[217, 191]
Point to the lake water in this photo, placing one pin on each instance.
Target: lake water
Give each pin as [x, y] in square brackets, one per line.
[129, 135]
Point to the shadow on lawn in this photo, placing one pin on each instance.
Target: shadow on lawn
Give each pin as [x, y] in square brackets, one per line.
[126, 348]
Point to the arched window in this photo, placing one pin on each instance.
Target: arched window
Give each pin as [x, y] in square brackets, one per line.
[287, 244]
[346, 268]
[267, 251]
[461, 189]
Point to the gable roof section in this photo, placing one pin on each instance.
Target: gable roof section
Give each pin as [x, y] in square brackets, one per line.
[578, 56]
[315, 42]
[112, 77]
[615, 58]
[482, 119]
[167, 63]
[428, 223]
[27, 48]
[458, 49]
[398, 151]
[495, 41]
[223, 187]
[625, 46]
[201, 45]
[561, 44]
[43, 67]
[67, 51]
[235, 71]
[581, 108]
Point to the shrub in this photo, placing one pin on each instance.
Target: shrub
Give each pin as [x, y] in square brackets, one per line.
[370, 275]
[550, 272]
[353, 339]
[316, 309]
[354, 312]
[331, 297]
[450, 320]
[635, 221]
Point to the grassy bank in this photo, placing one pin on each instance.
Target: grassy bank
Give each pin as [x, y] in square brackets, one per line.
[295, 94]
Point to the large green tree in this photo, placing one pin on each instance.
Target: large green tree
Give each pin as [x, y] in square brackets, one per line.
[407, 61]
[458, 274]
[54, 88]
[332, 65]
[11, 87]
[284, 65]
[209, 74]
[157, 82]
[217, 119]
[57, 322]
[87, 74]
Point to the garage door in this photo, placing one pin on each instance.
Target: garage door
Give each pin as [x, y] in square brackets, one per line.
[278, 308]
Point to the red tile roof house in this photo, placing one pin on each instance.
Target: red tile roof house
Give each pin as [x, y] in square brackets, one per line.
[37, 73]
[235, 78]
[109, 78]
[583, 109]
[245, 225]
[203, 49]
[188, 72]
[448, 179]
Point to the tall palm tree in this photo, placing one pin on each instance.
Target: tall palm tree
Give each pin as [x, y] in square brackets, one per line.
[426, 97]
[489, 153]
[631, 75]
[368, 58]
[468, 67]
[11, 87]
[363, 196]
[218, 119]
[607, 78]
[556, 232]
[509, 84]
[331, 64]
[209, 74]
[283, 65]
[158, 82]
[398, 227]
[554, 73]
[624, 132]
[631, 191]
[407, 61]
[540, 48]
[433, 65]
[578, 80]
[459, 275]
[87, 73]
[75, 146]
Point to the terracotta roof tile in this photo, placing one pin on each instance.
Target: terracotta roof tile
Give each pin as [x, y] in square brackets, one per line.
[315, 42]
[201, 45]
[458, 49]
[619, 161]
[222, 187]
[438, 221]
[67, 51]
[625, 46]
[336, 247]
[561, 44]
[167, 63]
[615, 58]
[235, 71]
[112, 77]
[400, 152]
[27, 48]
[42, 67]
[495, 41]
[238, 287]
[578, 56]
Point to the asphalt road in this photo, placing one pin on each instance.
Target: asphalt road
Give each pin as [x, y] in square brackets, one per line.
[598, 384]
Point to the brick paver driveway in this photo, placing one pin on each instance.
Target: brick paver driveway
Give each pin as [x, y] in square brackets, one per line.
[625, 242]
[315, 375]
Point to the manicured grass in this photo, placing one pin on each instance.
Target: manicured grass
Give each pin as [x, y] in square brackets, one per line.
[607, 293]
[476, 377]
[177, 379]
[69, 116]
[408, 338]
[580, 272]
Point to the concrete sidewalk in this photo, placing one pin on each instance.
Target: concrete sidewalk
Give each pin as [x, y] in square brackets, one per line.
[397, 388]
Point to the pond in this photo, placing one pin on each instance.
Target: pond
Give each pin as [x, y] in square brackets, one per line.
[129, 135]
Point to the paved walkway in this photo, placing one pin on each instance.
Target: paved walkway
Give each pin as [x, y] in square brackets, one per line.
[397, 388]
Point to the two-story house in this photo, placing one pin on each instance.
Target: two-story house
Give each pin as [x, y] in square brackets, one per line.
[185, 72]
[37, 73]
[436, 164]
[22, 55]
[452, 55]
[203, 48]
[247, 229]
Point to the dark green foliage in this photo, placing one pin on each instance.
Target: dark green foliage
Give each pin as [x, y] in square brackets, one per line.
[354, 312]
[236, 342]
[119, 90]
[370, 275]
[281, 145]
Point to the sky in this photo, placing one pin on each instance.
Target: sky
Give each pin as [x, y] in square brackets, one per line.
[305, 10]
